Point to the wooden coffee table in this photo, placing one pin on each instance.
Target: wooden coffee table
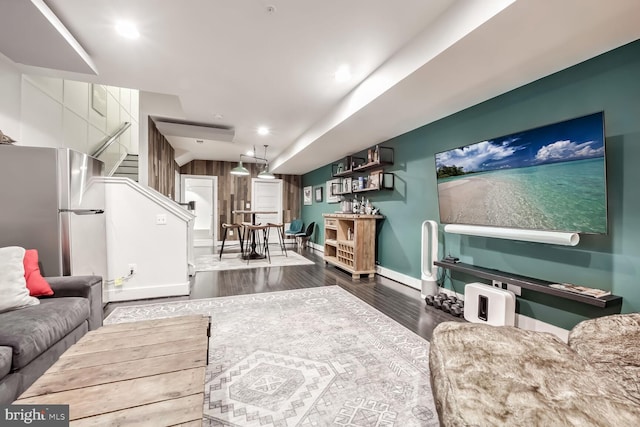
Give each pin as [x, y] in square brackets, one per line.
[148, 373]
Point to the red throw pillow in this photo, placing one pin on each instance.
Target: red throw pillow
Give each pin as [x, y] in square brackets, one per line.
[35, 282]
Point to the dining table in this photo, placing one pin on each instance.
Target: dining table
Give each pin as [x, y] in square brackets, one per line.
[253, 254]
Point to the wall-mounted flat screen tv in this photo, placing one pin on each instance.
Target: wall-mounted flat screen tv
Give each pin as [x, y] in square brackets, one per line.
[549, 178]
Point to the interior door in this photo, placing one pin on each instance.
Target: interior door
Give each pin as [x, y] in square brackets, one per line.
[266, 195]
[203, 190]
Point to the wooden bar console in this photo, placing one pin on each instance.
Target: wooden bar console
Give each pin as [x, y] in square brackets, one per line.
[350, 243]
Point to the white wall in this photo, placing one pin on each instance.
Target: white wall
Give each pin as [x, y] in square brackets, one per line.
[52, 112]
[160, 252]
[10, 96]
[58, 113]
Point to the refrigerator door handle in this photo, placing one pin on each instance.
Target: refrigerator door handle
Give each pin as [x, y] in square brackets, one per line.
[84, 211]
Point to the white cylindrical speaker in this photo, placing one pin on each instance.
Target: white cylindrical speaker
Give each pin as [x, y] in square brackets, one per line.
[429, 254]
[538, 236]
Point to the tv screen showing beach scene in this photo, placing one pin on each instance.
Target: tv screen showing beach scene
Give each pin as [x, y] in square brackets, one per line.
[550, 178]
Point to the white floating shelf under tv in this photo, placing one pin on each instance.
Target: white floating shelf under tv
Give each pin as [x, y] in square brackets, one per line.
[538, 236]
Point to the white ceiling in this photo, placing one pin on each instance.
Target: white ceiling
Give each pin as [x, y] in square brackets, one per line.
[413, 62]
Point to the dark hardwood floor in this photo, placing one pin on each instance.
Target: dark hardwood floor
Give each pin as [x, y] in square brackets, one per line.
[399, 302]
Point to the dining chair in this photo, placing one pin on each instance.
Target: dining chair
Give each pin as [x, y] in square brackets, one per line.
[279, 227]
[302, 239]
[294, 228]
[226, 227]
[262, 247]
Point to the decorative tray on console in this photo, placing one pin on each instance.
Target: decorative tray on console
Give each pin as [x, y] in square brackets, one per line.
[582, 290]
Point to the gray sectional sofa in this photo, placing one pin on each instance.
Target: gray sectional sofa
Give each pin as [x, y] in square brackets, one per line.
[33, 338]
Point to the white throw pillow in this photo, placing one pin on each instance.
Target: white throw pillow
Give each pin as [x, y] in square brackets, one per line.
[13, 287]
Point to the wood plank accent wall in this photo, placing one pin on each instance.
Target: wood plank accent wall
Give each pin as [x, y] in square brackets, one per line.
[234, 192]
[162, 163]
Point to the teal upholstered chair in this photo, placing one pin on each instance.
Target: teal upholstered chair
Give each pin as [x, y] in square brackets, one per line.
[294, 228]
[303, 238]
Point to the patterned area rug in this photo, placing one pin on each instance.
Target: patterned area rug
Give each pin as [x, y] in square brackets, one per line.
[233, 261]
[307, 357]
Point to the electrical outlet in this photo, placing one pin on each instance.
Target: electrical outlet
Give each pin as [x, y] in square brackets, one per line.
[230, 233]
[248, 206]
[497, 284]
[161, 219]
[515, 289]
[133, 268]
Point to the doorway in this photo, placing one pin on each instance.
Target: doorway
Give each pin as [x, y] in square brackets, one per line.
[266, 195]
[203, 190]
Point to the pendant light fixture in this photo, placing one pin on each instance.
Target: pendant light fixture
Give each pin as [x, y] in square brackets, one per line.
[265, 174]
[240, 170]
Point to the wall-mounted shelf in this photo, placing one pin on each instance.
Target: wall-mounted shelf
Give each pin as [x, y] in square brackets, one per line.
[377, 179]
[372, 165]
[528, 283]
[377, 157]
[346, 166]
[385, 181]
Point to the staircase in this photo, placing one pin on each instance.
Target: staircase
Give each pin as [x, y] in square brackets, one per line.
[128, 168]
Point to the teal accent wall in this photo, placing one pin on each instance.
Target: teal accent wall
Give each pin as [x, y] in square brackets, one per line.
[609, 83]
[313, 212]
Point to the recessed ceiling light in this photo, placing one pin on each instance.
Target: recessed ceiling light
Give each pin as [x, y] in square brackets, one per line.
[127, 29]
[263, 130]
[342, 74]
[250, 153]
[218, 116]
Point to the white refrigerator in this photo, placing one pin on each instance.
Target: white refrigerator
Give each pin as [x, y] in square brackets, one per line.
[52, 200]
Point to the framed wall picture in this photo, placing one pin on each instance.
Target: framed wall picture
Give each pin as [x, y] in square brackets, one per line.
[99, 99]
[306, 192]
[333, 187]
[374, 180]
[318, 195]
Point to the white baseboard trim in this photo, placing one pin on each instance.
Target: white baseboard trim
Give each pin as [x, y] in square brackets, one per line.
[399, 277]
[129, 294]
[317, 247]
[531, 324]
[522, 322]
